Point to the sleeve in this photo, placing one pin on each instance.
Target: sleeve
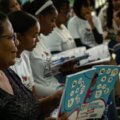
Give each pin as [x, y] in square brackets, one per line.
[54, 42]
[97, 31]
[102, 16]
[73, 28]
[25, 56]
[98, 24]
[98, 36]
[41, 84]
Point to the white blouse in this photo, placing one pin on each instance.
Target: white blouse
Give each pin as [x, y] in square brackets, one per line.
[40, 59]
[60, 39]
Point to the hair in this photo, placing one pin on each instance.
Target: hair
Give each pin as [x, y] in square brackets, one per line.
[3, 18]
[4, 5]
[78, 4]
[109, 14]
[60, 3]
[118, 14]
[22, 21]
[33, 6]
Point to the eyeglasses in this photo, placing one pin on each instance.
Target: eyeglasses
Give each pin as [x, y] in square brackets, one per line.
[10, 37]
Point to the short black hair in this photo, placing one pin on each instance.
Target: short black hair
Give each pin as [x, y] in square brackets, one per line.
[22, 21]
[60, 3]
[3, 18]
[110, 14]
[4, 6]
[33, 6]
[78, 4]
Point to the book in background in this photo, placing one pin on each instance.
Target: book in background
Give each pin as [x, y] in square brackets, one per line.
[74, 54]
[97, 54]
[86, 93]
[99, 91]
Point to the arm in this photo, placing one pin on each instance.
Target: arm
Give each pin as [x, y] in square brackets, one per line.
[79, 43]
[50, 103]
[73, 29]
[41, 90]
[42, 86]
[97, 35]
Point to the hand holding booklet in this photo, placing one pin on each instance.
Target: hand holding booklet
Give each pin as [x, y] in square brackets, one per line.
[86, 93]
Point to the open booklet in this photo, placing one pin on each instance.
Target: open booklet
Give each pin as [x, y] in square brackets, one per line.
[74, 54]
[97, 54]
[86, 93]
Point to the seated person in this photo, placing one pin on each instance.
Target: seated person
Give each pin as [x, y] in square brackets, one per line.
[60, 38]
[40, 57]
[8, 6]
[115, 37]
[85, 28]
[27, 37]
[107, 14]
[17, 102]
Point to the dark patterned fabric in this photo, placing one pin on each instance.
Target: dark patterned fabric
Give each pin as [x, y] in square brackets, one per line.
[22, 106]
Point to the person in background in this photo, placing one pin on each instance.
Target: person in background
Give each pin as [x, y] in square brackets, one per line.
[40, 57]
[8, 6]
[17, 102]
[115, 39]
[27, 37]
[85, 28]
[112, 25]
[107, 15]
[103, 15]
[60, 39]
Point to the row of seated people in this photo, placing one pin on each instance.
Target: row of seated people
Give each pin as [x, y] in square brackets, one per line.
[33, 33]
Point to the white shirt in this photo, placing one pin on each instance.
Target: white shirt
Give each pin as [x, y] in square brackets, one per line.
[23, 70]
[60, 39]
[81, 29]
[40, 59]
[103, 16]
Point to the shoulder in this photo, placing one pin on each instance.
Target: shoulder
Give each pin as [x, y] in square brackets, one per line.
[73, 20]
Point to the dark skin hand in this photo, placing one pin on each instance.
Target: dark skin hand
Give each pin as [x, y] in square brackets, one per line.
[68, 67]
[50, 103]
[89, 18]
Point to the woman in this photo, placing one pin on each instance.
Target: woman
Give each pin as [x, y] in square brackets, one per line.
[17, 102]
[107, 13]
[40, 57]
[8, 6]
[60, 39]
[85, 28]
